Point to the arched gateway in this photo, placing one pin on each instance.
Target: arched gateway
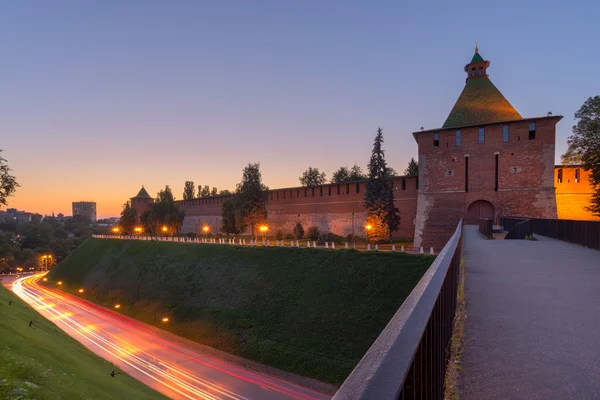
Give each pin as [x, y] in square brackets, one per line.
[479, 209]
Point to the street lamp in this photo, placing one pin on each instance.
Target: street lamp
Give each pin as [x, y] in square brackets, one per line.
[264, 229]
[165, 229]
[46, 257]
[116, 230]
[368, 227]
[138, 229]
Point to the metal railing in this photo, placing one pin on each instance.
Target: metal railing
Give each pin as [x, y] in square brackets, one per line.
[409, 358]
[583, 233]
[518, 228]
[486, 227]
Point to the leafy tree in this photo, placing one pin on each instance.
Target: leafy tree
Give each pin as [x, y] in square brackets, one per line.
[205, 192]
[199, 191]
[341, 175]
[584, 146]
[379, 196]
[214, 191]
[357, 174]
[251, 198]
[231, 216]
[128, 218]
[412, 169]
[298, 230]
[224, 192]
[312, 177]
[312, 233]
[8, 183]
[163, 212]
[377, 229]
[189, 190]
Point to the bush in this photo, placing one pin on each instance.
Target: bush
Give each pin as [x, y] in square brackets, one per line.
[350, 238]
[330, 237]
[278, 235]
[191, 235]
[298, 231]
[288, 236]
[313, 233]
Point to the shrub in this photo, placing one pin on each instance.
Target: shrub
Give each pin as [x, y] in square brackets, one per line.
[288, 236]
[191, 235]
[298, 231]
[350, 238]
[330, 237]
[312, 233]
[278, 235]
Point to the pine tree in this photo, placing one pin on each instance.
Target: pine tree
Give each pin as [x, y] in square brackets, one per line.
[128, 218]
[412, 169]
[379, 196]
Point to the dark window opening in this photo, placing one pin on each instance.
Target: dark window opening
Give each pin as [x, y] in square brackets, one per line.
[298, 193]
[531, 130]
[277, 195]
[305, 192]
[436, 140]
[330, 190]
[577, 175]
[481, 135]
[347, 188]
[338, 189]
[321, 191]
[417, 183]
[559, 178]
[458, 137]
[505, 133]
[473, 68]
[466, 174]
[357, 187]
[313, 192]
[271, 195]
[496, 179]
[403, 184]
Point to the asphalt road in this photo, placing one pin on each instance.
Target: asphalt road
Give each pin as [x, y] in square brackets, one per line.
[533, 320]
[171, 368]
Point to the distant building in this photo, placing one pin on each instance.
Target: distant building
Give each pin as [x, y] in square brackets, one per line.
[141, 202]
[23, 217]
[87, 208]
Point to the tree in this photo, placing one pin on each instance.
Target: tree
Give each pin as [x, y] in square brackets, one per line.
[357, 174]
[224, 192]
[312, 177]
[214, 191]
[128, 218]
[163, 212]
[298, 231]
[205, 192]
[379, 196]
[250, 193]
[231, 217]
[412, 169]
[8, 183]
[189, 190]
[377, 230]
[341, 175]
[584, 146]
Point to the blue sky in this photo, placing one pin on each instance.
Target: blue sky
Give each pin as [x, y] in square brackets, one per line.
[99, 98]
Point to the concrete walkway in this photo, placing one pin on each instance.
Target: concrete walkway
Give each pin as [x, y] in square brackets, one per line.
[533, 320]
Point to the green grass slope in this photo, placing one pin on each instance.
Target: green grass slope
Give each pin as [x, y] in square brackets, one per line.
[311, 312]
[43, 362]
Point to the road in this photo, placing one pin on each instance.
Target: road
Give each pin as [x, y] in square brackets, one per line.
[171, 368]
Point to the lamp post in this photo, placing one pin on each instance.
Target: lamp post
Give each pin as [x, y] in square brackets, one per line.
[264, 229]
[205, 229]
[368, 227]
[165, 230]
[46, 257]
[353, 227]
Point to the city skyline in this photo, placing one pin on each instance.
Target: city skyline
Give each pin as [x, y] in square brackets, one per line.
[170, 94]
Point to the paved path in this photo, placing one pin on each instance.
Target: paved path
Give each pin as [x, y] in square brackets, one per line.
[533, 320]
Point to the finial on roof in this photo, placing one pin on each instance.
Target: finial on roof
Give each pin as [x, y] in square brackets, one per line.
[476, 47]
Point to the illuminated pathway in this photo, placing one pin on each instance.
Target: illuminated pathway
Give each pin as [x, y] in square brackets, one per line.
[170, 368]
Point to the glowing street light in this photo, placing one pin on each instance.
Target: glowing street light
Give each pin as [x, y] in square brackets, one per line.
[206, 228]
[45, 279]
[46, 257]
[80, 290]
[165, 319]
[165, 229]
[138, 229]
[264, 229]
[368, 228]
[60, 282]
[117, 306]
[116, 229]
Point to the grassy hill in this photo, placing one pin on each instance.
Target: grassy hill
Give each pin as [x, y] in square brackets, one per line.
[311, 312]
[43, 362]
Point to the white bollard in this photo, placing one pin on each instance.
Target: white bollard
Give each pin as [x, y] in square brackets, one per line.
[333, 245]
[291, 243]
[326, 245]
[297, 243]
[354, 246]
[402, 249]
[369, 247]
[277, 243]
[376, 247]
[244, 241]
[393, 247]
[308, 243]
[346, 245]
[421, 250]
[431, 251]
[314, 244]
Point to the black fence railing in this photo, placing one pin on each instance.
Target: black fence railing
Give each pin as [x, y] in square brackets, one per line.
[409, 358]
[486, 227]
[517, 228]
[584, 233]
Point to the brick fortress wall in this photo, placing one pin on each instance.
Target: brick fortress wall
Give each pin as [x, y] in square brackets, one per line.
[329, 207]
[573, 193]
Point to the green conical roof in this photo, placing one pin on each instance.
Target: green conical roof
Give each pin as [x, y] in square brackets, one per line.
[480, 103]
[143, 194]
[476, 58]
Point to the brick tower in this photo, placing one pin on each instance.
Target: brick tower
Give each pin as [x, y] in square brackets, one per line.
[485, 161]
[141, 202]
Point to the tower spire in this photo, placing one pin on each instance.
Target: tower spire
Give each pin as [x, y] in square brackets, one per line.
[476, 47]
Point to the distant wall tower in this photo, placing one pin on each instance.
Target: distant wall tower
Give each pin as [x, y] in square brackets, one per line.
[141, 202]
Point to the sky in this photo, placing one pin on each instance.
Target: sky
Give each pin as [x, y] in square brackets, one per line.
[100, 98]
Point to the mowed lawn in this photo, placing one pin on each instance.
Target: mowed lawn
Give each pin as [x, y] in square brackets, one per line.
[42, 362]
[307, 311]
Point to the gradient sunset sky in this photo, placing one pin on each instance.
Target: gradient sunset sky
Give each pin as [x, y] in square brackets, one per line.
[100, 97]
